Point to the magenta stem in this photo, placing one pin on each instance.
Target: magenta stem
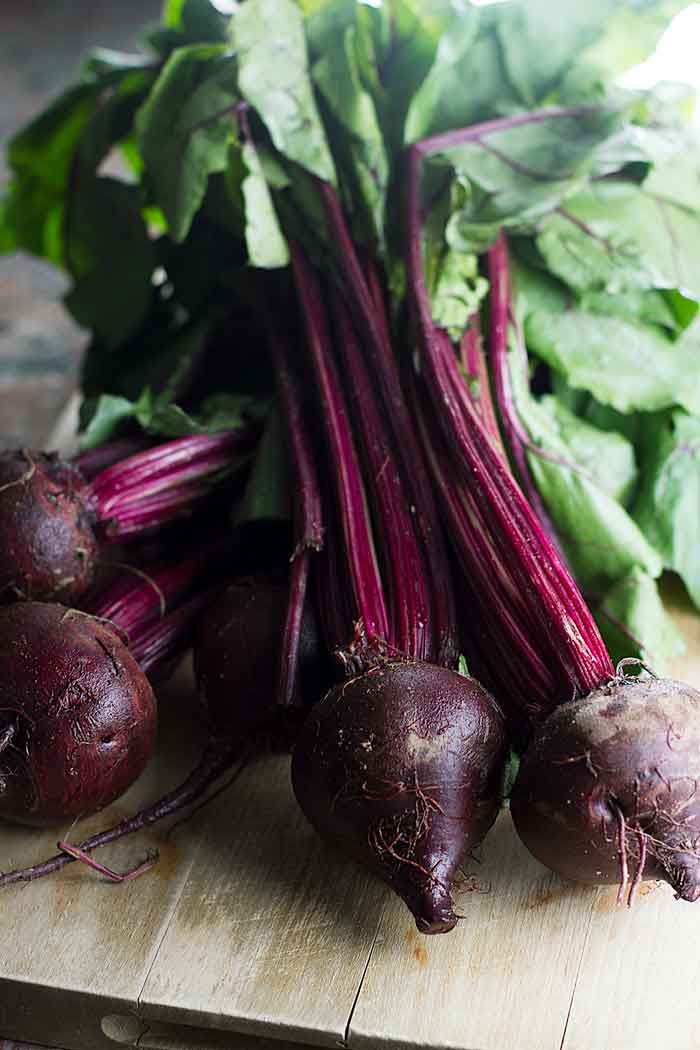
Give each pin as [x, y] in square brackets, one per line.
[154, 645]
[474, 364]
[138, 596]
[308, 512]
[95, 460]
[408, 589]
[359, 548]
[516, 436]
[557, 615]
[154, 487]
[365, 301]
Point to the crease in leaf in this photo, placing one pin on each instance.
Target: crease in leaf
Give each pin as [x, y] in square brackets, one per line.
[273, 76]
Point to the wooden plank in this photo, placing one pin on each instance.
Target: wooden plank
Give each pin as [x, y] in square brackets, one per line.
[154, 1035]
[272, 932]
[75, 947]
[638, 959]
[503, 978]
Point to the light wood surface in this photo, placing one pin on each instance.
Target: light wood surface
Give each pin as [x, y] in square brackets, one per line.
[75, 947]
[252, 935]
[272, 929]
[504, 978]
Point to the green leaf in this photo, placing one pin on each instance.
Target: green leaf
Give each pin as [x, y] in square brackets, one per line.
[441, 101]
[600, 539]
[631, 367]
[667, 507]
[103, 418]
[360, 144]
[186, 126]
[617, 237]
[194, 21]
[106, 235]
[606, 456]
[267, 495]
[634, 622]
[457, 292]
[267, 247]
[645, 307]
[273, 76]
[45, 147]
[162, 355]
[522, 172]
[406, 35]
[540, 45]
[632, 31]
[106, 417]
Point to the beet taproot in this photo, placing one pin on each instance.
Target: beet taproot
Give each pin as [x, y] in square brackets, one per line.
[401, 768]
[607, 792]
[77, 714]
[48, 547]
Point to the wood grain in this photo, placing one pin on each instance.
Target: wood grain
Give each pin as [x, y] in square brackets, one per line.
[75, 947]
[503, 978]
[272, 932]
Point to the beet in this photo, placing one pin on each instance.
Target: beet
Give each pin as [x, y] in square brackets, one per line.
[51, 517]
[402, 769]
[237, 662]
[608, 789]
[237, 657]
[77, 714]
[47, 543]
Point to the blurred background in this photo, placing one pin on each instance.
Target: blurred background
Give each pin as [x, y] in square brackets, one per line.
[42, 43]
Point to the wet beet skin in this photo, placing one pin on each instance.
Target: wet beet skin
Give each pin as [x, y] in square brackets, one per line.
[80, 713]
[47, 545]
[608, 789]
[237, 657]
[402, 769]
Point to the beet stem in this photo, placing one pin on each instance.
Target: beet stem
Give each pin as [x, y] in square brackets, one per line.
[114, 876]
[159, 642]
[406, 572]
[447, 140]
[352, 504]
[474, 364]
[160, 484]
[365, 301]
[517, 439]
[95, 460]
[308, 512]
[567, 634]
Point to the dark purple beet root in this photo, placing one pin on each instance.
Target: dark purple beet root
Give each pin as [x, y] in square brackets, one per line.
[402, 769]
[77, 714]
[237, 655]
[47, 544]
[608, 789]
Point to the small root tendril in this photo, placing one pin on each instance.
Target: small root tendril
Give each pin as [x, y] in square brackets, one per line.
[114, 876]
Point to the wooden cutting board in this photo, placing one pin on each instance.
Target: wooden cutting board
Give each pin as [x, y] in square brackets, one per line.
[251, 935]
